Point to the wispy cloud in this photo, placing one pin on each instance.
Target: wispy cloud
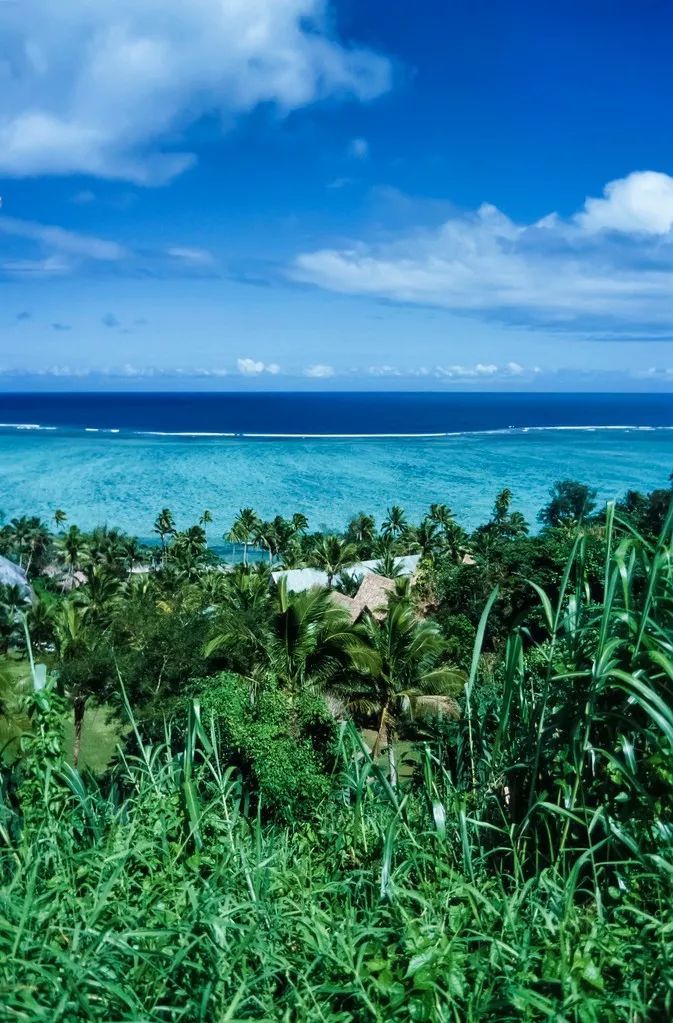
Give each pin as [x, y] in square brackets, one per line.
[610, 265]
[358, 148]
[98, 88]
[198, 257]
[57, 239]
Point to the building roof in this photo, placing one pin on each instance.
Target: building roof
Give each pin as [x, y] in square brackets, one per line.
[299, 579]
[373, 596]
[13, 575]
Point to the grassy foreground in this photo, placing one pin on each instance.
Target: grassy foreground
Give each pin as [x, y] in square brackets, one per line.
[523, 873]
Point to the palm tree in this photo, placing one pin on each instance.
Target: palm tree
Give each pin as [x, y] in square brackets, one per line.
[72, 546]
[404, 674]
[59, 518]
[243, 530]
[313, 639]
[427, 537]
[454, 541]
[441, 514]
[164, 525]
[395, 522]
[299, 522]
[501, 506]
[333, 554]
[361, 530]
[242, 617]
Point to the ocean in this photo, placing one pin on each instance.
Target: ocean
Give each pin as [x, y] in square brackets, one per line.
[119, 458]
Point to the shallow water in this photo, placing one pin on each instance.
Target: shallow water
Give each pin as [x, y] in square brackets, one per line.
[124, 479]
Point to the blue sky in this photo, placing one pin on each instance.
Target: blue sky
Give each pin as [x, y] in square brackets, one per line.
[289, 193]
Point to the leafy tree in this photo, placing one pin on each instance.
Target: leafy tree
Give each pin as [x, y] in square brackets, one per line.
[86, 671]
[570, 502]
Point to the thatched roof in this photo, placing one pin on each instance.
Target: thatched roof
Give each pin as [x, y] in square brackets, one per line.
[12, 575]
[372, 596]
[343, 600]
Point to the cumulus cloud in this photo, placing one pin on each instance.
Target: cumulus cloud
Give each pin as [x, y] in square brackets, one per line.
[639, 203]
[319, 371]
[611, 264]
[253, 367]
[106, 88]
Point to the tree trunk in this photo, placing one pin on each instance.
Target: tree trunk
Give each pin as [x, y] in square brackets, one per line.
[382, 733]
[79, 708]
[392, 765]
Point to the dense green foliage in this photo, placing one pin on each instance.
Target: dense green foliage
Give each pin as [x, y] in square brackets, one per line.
[247, 856]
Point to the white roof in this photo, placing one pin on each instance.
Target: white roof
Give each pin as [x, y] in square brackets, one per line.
[12, 575]
[300, 579]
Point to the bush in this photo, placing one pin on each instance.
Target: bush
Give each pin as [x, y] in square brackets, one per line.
[281, 745]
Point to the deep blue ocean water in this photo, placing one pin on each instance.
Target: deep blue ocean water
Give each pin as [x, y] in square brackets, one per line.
[334, 413]
[327, 455]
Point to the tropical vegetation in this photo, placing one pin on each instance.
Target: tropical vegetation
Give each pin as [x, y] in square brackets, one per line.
[452, 805]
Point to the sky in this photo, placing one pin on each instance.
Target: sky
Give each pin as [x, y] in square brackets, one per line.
[283, 194]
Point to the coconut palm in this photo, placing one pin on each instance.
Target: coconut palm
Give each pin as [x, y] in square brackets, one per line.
[59, 518]
[243, 530]
[299, 522]
[405, 675]
[72, 547]
[502, 504]
[242, 614]
[164, 525]
[313, 642]
[441, 515]
[361, 530]
[427, 536]
[395, 523]
[333, 555]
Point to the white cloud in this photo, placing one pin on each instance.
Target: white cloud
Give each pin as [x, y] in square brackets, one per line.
[107, 88]
[358, 148]
[554, 271]
[456, 372]
[319, 371]
[253, 367]
[641, 202]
